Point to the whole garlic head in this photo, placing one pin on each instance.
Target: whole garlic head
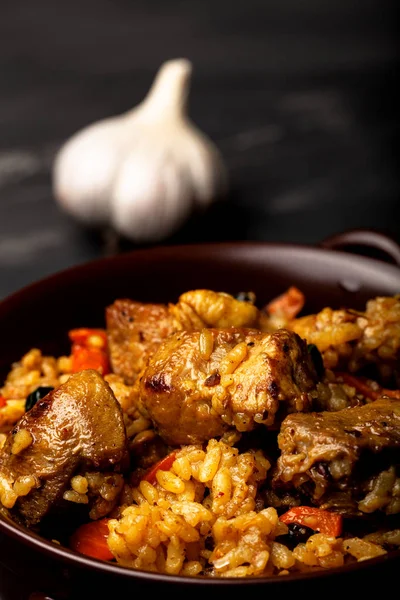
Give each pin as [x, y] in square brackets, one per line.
[143, 172]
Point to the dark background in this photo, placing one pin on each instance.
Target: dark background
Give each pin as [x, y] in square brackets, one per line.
[300, 97]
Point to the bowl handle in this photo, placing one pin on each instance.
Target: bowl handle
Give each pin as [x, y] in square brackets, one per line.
[368, 242]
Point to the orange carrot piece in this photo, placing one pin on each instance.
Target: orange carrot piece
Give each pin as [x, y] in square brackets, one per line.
[162, 465]
[91, 539]
[288, 304]
[82, 336]
[361, 385]
[89, 358]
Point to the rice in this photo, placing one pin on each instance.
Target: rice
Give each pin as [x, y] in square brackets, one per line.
[209, 513]
[201, 517]
[351, 339]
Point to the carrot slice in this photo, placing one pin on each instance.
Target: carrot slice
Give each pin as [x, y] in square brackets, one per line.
[3, 401]
[89, 350]
[91, 539]
[85, 336]
[288, 304]
[162, 465]
[89, 358]
[361, 385]
[318, 519]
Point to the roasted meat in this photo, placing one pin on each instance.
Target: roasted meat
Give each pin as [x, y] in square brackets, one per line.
[79, 425]
[135, 330]
[344, 460]
[200, 384]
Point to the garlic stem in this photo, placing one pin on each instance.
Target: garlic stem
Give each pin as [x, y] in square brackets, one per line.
[167, 96]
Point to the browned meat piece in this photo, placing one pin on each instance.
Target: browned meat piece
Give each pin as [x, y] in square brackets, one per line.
[135, 330]
[78, 425]
[200, 384]
[345, 459]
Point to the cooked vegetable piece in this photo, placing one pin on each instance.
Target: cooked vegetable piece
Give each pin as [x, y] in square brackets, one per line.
[89, 350]
[316, 358]
[162, 465]
[89, 358]
[320, 520]
[90, 539]
[297, 534]
[85, 336]
[3, 401]
[288, 304]
[361, 385]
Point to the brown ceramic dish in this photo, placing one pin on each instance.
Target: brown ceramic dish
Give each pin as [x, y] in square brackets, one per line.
[41, 314]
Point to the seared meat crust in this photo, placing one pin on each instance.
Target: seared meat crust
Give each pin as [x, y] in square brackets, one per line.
[135, 330]
[200, 384]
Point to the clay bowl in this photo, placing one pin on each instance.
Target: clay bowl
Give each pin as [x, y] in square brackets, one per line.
[41, 314]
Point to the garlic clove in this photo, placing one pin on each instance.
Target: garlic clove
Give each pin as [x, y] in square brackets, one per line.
[145, 171]
[151, 199]
[84, 171]
[207, 170]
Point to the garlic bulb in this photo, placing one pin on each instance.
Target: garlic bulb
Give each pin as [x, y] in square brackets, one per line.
[143, 172]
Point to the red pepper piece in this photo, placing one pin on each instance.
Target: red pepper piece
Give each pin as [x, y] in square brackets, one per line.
[318, 519]
[361, 385]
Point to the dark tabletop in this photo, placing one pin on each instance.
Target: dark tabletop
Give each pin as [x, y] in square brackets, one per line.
[300, 97]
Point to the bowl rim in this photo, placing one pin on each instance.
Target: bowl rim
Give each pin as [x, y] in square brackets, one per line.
[188, 251]
[195, 250]
[53, 550]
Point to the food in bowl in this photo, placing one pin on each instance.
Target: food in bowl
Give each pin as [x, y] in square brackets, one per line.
[212, 437]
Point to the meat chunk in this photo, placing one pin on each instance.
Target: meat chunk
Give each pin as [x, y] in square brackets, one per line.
[200, 384]
[135, 330]
[77, 425]
[337, 458]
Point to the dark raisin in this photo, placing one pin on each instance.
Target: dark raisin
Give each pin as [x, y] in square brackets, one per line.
[317, 359]
[297, 534]
[212, 380]
[273, 389]
[37, 395]
[246, 297]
